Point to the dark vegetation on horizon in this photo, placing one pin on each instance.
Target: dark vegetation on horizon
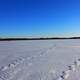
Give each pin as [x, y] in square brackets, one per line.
[52, 38]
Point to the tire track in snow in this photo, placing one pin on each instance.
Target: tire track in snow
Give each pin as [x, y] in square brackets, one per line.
[31, 58]
[71, 69]
[9, 71]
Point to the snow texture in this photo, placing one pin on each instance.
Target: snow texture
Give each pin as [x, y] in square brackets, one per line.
[40, 60]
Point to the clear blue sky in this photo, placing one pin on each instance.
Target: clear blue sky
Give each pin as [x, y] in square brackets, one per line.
[23, 18]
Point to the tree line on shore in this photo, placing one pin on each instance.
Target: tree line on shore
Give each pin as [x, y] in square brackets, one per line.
[51, 38]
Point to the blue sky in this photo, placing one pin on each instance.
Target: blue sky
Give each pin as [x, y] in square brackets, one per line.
[25, 18]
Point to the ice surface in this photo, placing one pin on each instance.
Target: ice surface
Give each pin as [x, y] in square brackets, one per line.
[40, 60]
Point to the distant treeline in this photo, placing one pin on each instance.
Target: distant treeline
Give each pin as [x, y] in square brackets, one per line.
[52, 38]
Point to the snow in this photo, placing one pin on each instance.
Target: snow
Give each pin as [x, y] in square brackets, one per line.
[40, 60]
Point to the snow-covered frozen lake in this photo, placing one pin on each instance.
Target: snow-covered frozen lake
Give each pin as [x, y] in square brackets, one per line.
[39, 60]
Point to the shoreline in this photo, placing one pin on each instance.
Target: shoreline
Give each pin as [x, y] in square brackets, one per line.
[55, 38]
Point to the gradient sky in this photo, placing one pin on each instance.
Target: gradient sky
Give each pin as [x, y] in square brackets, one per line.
[22, 18]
